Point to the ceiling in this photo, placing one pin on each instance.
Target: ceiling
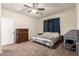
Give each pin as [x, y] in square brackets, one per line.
[50, 8]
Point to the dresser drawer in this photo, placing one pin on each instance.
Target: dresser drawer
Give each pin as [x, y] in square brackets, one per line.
[21, 35]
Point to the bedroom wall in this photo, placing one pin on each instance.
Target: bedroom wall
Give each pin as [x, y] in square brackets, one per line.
[67, 20]
[0, 21]
[0, 27]
[21, 21]
[77, 11]
[77, 16]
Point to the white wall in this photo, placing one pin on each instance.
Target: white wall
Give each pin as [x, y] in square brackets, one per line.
[0, 27]
[77, 15]
[67, 20]
[0, 20]
[21, 21]
[77, 11]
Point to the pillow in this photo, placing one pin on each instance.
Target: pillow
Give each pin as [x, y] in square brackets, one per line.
[50, 34]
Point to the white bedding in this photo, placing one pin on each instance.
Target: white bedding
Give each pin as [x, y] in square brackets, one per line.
[50, 34]
[48, 37]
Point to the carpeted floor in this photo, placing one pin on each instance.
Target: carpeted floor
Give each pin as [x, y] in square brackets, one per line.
[33, 49]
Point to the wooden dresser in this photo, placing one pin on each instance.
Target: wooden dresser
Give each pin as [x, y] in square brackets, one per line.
[21, 35]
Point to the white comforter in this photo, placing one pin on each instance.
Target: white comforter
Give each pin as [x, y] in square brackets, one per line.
[47, 37]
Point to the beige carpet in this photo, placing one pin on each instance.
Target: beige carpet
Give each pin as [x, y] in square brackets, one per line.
[33, 49]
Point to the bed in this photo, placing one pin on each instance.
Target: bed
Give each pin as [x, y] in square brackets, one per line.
[51, 32]
[47, 38]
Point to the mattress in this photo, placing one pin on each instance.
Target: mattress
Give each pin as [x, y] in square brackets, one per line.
[47, 37]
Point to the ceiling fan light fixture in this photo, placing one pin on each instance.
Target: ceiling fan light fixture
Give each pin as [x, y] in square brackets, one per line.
[34, 10]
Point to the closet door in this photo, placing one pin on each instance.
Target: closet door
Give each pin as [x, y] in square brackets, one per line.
[7, 31]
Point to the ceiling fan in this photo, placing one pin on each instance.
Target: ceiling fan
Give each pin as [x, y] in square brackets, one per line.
[35, 8]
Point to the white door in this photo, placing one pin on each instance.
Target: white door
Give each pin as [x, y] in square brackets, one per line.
[7, 31]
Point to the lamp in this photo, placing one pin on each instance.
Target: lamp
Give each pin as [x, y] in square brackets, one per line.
[34, 10]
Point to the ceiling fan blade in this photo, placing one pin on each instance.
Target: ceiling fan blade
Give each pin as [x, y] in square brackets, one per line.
[27, 6]
[41, 8]
[35, 5]
[29, 11]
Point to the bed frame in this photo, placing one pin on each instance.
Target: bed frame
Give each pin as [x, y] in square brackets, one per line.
[46, 42]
